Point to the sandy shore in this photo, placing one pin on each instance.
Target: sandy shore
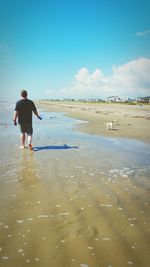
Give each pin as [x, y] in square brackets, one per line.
[131, 121]
[75, 200]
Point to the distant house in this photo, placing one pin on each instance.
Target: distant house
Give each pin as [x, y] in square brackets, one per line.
[113, 99]
[128, 100]
[117, 99]
[145, 99]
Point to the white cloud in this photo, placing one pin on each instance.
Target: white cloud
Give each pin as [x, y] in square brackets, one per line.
[97, 75]
[143, 34]
[130, 79]
[83, 76]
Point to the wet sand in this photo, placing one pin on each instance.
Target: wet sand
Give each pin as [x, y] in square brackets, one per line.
[75, 200]
[131, 121]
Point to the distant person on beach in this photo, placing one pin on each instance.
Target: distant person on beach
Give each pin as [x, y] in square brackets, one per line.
[23, 112]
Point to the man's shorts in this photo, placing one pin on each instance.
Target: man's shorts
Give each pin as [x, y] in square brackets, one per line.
[26, 128]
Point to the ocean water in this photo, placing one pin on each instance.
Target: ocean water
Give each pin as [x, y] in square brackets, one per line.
[75, 200]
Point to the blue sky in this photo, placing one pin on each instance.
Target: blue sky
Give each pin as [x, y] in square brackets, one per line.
[55, 48]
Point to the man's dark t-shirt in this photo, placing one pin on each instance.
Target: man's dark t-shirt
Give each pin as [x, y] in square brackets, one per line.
[24, 107]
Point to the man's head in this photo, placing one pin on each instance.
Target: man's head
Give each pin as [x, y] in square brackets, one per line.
[24, 93]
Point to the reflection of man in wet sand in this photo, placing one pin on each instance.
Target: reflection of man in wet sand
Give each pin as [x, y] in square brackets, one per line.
[23, 111]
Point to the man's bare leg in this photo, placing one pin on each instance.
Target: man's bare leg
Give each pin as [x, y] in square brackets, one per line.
[30, 141]
[22, 138]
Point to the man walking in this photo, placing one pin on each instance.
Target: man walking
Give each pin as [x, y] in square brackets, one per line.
[23, 111]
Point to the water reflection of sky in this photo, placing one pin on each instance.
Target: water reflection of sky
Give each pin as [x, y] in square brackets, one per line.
[58, 127]
[58, 130]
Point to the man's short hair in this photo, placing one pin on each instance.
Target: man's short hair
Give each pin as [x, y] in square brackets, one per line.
[24, 93]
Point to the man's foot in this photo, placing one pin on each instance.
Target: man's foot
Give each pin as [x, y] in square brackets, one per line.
[30, 146]
[22, 147]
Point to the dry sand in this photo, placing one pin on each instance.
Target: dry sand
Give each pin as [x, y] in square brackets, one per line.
[131, 121]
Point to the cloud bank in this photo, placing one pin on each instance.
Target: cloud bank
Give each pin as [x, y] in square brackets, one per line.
[143, 34]
[128, 80]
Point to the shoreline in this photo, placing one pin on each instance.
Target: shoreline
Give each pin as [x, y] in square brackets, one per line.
[130, 121]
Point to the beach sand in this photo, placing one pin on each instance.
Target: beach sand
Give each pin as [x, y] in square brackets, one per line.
[131, 121]
[76, 200]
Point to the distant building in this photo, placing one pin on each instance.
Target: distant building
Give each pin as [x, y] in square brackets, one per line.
[128, 100]
[113, 99]
[117, 99]
[145, 99]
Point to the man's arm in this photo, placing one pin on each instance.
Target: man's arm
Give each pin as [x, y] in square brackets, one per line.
[36, 113]
[15, 117]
